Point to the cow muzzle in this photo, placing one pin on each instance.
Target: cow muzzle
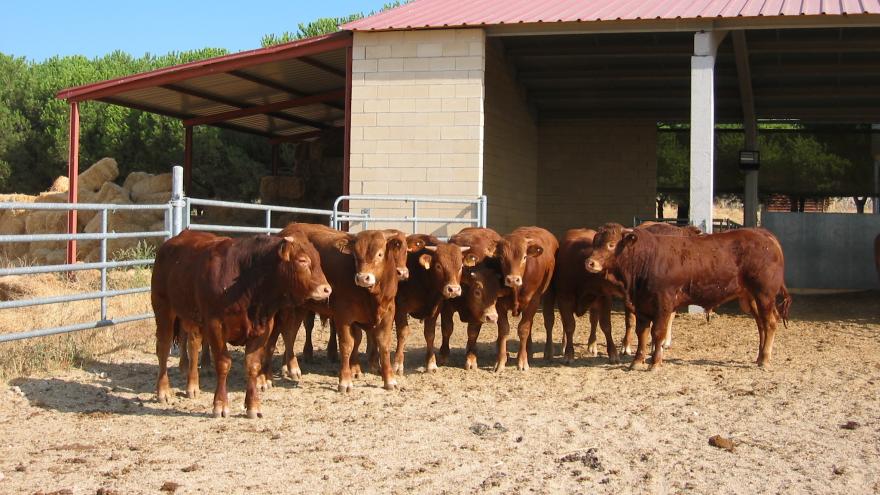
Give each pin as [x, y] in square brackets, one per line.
[513, 281]
[402, 273]
[490, 316]
[365, 280]
[593, 266]
[451, 290]
[321, 292]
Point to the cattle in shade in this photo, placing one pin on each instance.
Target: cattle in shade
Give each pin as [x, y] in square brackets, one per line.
[228, 291]
[435, 270]
[659, 273]
[363, 270]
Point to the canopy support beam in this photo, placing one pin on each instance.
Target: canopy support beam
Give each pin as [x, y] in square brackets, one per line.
[750, 125]
[73, 176]
[187, 159]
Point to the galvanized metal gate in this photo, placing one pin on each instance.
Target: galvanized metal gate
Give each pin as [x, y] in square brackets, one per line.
[178, 216]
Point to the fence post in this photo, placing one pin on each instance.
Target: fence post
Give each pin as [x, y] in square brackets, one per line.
[415, 213]
[484, 206]
[177, 201]
[104, 261]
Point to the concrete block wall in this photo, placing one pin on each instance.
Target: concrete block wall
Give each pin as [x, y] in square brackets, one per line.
[417, 119]
[510, 170]
[593, 172]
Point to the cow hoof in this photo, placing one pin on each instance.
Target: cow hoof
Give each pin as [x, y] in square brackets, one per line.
[636, 364]
[392, 385]
[345, 388]
[163, 396]
[593, 350]
[192, 393]
[522, 366]
[667, 345]
[615, 359]
[431, 367]
[294, 373]
[254, 414]
[397, 368]
[627, 351]
[470, 363]
[442, 359]
[498, 368]
[221, 412]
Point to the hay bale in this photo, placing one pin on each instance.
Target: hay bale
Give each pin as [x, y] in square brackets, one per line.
[12, 222]
[280, 190]
[61, 184]
[133, 178]
[121, 221]
[17, 198]
[51, 197]
[104, 170]
[56, 256]
[154, 198]
[109, 194]
[150, 185]
[46, 222]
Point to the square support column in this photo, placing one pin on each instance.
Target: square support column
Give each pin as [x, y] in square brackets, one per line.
[187, 159]
[703, 127]
[73, 175]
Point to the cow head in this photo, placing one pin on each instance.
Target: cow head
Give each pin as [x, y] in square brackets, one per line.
[483, 288]
[444, 264]
[514, 251]
[301, 269]
[374, 252]
[607, 243]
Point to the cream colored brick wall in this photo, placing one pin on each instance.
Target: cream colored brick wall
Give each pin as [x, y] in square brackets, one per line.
[595, 172]
[417, 118]
[510, 170]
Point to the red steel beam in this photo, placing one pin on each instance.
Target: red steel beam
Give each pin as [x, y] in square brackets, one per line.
[73, 176]
[267, 109]
[187, 159]
[226, 63]
[295, 138]
[262, 81]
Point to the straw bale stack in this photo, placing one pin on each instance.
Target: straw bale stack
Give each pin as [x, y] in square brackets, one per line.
[280, 190]
[61, 184]
[102, 171]
[150, 185]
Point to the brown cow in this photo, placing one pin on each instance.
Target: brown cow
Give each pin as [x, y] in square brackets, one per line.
[363, 271]
[659, 273]
[435, 276]
[229, 291]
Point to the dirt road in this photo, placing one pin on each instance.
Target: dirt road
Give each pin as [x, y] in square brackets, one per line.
[810, 424]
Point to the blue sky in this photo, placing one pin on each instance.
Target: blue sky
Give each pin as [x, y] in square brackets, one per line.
[38, 29]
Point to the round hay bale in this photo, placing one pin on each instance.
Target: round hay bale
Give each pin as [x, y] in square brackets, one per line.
[154, 198]
[151, 185]
[110, 194]
[104, 170]
[61, 184]
[133, 178]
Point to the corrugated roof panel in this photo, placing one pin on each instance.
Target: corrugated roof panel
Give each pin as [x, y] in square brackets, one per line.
[442, 13]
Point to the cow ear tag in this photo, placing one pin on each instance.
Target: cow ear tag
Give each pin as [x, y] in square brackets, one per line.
[425, 261]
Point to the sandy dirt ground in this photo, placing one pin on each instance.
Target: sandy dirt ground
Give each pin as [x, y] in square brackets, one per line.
[810, 424]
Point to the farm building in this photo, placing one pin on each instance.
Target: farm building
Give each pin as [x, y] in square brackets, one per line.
[548, 108]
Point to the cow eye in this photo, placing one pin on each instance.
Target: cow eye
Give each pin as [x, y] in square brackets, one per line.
[612, 245]
[524, 258]
[304, 261]
[380, 255]
[478, 292]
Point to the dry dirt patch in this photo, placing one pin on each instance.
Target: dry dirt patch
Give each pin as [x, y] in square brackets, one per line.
[810, 424]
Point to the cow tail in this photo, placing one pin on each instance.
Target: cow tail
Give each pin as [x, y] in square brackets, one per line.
[784, 305]
[175, 339]
[548, 305]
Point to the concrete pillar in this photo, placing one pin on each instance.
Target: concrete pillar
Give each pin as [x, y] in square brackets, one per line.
[703, 127]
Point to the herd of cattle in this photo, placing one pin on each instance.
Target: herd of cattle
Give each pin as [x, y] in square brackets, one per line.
[249, 291]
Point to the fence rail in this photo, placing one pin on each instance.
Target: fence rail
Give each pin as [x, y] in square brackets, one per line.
[718, 224]
[178, 214]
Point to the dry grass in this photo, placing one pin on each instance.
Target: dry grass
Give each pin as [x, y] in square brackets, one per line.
[59, 352]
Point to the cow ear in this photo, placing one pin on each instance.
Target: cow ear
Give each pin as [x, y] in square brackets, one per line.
[470, 260]
[415, 246]
[631, 237]
[285, 249]
[343, 244]
[393, 243]
[534, 250]
[425, 261]
[492, 250]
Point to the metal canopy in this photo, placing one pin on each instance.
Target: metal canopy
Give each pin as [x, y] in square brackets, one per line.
[809, 74]
[279, 91]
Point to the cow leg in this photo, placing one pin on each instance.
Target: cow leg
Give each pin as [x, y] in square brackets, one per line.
[253, 365]
[641, 328]
[272, 342]
[566, 313]
[430, 330]
[630, 320]
[354, 359]
[222, 365]
[308, 349]
[332, 347]
[164, 336]
[767, 316]
[501, 347]
[383, 345]
[604, 309]
[372, 354]
[524, 331]
[401, 326]
[194, 347]
[447, 325]
[592, 345]
[473, 333]
[658, 336]
[346, 346]
[548, 302]
[291, 368]
[667, 342]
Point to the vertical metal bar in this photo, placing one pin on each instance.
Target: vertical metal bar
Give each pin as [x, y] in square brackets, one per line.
[268, 221]
[103, 260]
[73, 176]
[177, 200]
[187, 158]
[484, 207]
[415, 213]
[187, 214]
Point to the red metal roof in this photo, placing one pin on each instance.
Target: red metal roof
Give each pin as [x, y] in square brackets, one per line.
[447, 13]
